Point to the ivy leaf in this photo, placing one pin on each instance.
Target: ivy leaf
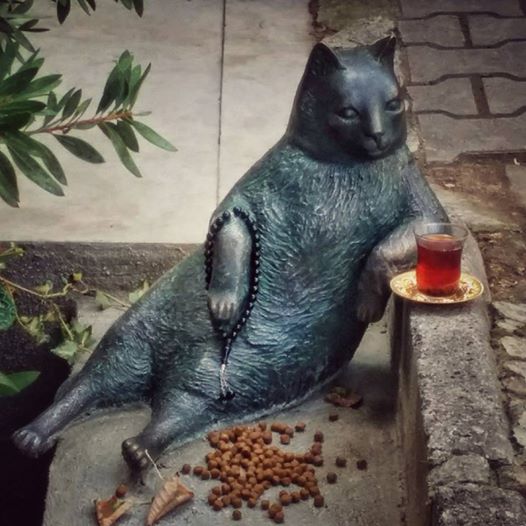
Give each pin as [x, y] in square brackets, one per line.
[8, 183]
[110, 130]
[80, 148]
[7, 309]
[139, 293]
[66, 350]
[45, 288]
[11, 384]
[102, 301]
[152, 136]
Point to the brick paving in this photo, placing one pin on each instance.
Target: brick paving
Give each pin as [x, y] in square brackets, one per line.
[467, 75]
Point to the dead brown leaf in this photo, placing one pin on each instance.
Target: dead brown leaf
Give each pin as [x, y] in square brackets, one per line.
[111, 510]
[171, 495]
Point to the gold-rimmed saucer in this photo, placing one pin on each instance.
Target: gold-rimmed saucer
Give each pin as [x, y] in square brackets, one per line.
[404, 285]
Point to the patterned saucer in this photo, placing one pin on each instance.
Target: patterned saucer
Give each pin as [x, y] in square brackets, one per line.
[404, 285]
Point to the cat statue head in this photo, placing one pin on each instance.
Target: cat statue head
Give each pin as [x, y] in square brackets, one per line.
[348, 105]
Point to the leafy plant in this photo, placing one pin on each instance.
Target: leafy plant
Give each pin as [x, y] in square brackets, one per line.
[76, 337]
[30, 108]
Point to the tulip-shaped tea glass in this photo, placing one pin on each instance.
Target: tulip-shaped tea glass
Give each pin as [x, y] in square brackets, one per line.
[439, 247]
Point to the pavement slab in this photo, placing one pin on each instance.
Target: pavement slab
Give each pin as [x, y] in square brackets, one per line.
[505, 95]
[488, 30]
[429, 65]
[419, 8]
[445, 137]
[451, 95]
[442, 30]
[173, 200]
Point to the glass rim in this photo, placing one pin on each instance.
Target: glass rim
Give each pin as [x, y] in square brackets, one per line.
[435, 227]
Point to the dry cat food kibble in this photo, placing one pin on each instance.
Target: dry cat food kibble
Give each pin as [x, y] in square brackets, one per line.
[186, 469]
[333, 417]
[361, 465]
[341, 462]
[332, 477]
[247, 463]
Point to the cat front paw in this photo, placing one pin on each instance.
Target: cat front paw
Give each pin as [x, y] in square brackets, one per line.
[370, 306]
[224, 306]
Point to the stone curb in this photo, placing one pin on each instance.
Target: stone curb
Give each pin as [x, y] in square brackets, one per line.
[453, 427]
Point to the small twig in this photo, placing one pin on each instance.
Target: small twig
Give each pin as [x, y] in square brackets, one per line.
[114, 116]
[154, 464]
[63, 323]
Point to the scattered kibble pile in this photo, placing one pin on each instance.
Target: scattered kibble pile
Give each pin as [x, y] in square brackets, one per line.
[245, 464]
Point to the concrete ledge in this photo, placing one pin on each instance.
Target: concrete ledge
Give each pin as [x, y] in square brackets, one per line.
[452, 423]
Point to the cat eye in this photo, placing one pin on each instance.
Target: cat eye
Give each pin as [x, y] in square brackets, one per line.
[394, 105]
[348, 113]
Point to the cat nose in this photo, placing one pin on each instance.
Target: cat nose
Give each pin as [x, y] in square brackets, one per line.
[378, 137]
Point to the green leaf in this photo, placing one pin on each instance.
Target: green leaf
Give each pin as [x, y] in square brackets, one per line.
[8, 184]
[22, 106]
[23, 7]
[11, 384]
[111, 91]
[22, 40]
[80, 148]
[7, 56]
[102, 301]
[63, 9]
[128, 136]
[66, 350]
[7, 309]
[45, 288]
[41, 86]
[139, 6]
[18, 81]
[23, 142]
[14, 121]
[137, 87]
[152, 136]
[72, 104]
[139, 293]
[124, 155]
[33, 171]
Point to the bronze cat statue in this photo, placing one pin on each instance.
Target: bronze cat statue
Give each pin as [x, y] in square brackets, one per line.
[296, 263]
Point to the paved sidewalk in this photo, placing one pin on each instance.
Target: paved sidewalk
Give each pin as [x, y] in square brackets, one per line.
[467, 62]
[223, 77]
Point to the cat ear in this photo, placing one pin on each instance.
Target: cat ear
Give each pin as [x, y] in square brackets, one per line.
[384, 51]
[322, 61]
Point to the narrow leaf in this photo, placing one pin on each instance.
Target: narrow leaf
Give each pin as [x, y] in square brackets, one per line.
[80, 148]
[120, 148]
[23, 142]
[72, 104]
[128, 136]
[63, 9]
[23, 379]
[152, 136]
[33, 171]
[18, 81]
[139, 6]
[8, 183]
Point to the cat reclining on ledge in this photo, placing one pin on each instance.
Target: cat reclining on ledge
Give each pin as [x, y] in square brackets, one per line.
[296, 263]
